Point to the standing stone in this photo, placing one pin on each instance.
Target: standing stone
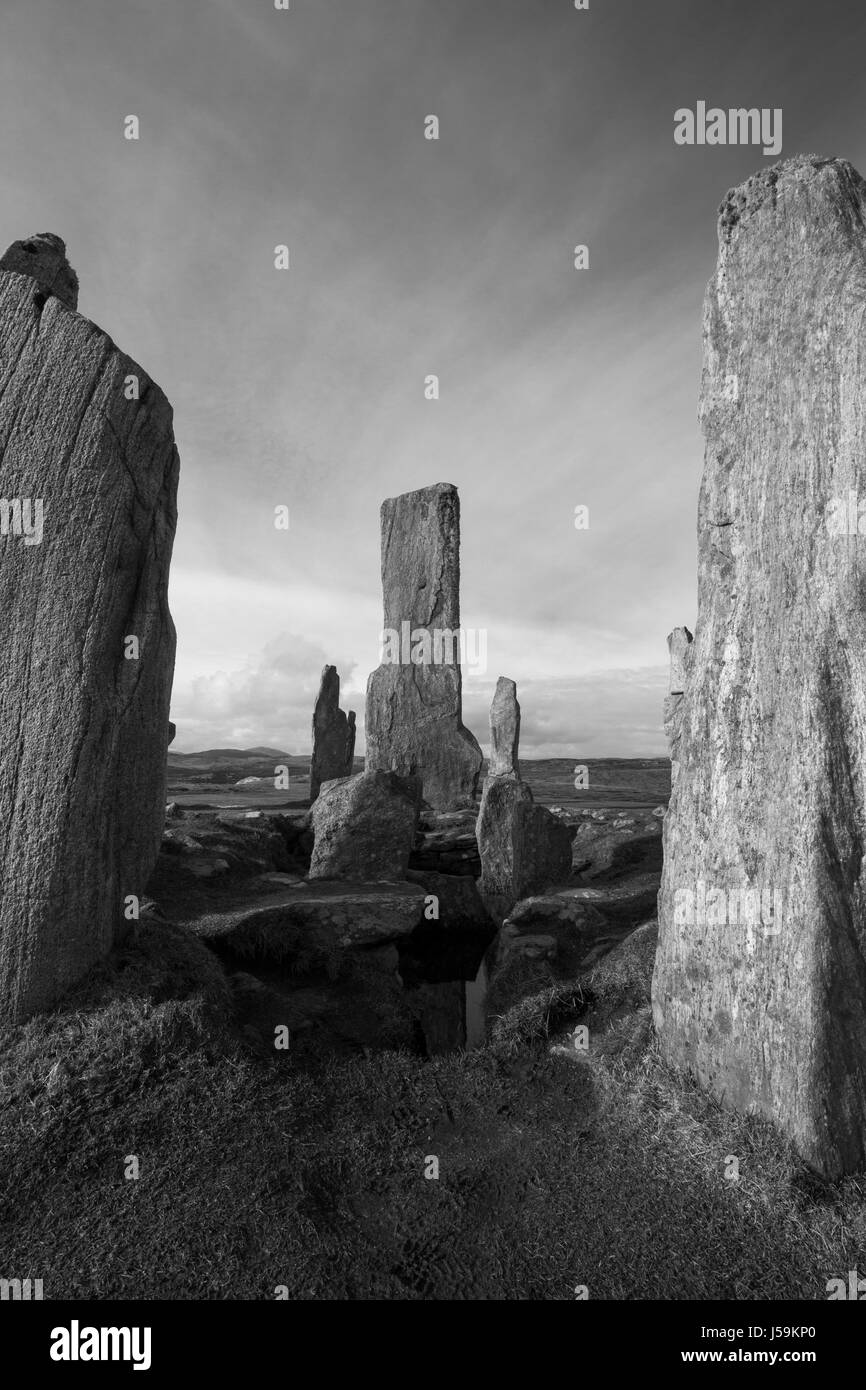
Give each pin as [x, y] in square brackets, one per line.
[524, 848]
[85, 719]
[349, 759]
[760, 980]
[364, 827]
[414, 721]
[333, 734]
[172, 731]
[504, 730]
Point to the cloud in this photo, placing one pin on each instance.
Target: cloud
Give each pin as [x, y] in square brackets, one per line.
[269, 700]
[604, 714]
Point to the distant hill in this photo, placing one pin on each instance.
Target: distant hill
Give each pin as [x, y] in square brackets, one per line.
[210, 756]
[611, 781]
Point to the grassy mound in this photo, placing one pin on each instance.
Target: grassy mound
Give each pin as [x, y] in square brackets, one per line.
[262, 1172]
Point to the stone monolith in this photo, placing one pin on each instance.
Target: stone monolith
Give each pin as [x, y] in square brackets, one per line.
[523, 848]
[414, 721]
[504, 730]
[333, 734]
[88, 482]
[760, 980]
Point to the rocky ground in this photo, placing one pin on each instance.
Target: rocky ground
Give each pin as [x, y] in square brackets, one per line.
[561, 1169]
[568, 1157]
[358, 964]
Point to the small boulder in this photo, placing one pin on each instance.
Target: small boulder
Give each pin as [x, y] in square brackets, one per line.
[364, 826]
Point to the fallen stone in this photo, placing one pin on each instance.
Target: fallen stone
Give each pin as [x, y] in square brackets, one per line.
[314, 917]
[414, 722]
[760, 980]
[364, 827]
[83, 571]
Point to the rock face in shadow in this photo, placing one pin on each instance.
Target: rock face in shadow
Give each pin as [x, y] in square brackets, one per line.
[414, 722]
[333, 734]
[364, 827]
[760, 982]
[89, 478]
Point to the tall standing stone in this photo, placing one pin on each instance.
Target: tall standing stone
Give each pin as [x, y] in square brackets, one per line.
[414, 722]
[86, 660]
[333, 734]
[504, 730]
[760, 980]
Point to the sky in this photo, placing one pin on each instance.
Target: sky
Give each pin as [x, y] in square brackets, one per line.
[304, 387]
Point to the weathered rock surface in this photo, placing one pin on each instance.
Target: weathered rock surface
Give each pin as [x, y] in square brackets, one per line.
[524, 848]
[414, 722]
[679, 644]
[83, 757]
[557, 927]
[43, 259]
[764, 999]
[333, 734]
[314, 918]
[446, 844]
[504, 730]
[364, 826]
[679, 647]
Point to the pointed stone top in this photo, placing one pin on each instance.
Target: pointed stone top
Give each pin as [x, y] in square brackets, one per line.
[504, 730]
[43, 258]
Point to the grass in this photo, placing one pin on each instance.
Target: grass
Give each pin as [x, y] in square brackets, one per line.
[258, 1171]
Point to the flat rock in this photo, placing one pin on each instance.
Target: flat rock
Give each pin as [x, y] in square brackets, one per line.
[323, 915]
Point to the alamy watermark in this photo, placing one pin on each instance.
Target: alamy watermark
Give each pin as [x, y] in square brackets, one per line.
[22, 516]
[20, 1290]
[438, 646]
[759, 910]
[736, 126]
